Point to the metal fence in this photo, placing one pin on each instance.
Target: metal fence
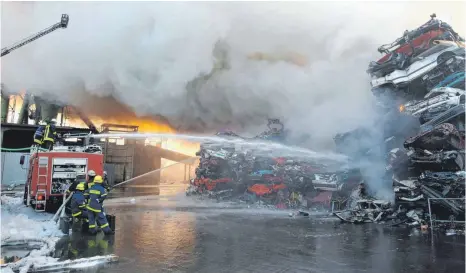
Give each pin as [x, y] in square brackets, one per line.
[433, 218]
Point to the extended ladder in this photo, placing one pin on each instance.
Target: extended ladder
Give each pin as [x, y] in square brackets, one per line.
[42, 179]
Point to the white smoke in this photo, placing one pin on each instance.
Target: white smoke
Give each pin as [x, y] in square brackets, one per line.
[145, 53]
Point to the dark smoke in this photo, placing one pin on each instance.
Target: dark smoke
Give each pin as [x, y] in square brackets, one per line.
[157, 59]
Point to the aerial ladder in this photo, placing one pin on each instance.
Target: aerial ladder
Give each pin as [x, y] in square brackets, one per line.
[62, 24]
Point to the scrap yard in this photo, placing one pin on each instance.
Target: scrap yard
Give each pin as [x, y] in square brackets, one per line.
[212, 141]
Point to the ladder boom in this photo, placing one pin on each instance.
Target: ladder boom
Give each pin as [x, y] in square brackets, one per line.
[62, 24]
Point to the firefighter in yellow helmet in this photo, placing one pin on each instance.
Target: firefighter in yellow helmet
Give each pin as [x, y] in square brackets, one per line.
[78, 205]
[97, 195]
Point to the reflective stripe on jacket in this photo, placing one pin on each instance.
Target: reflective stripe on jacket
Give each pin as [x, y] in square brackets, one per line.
[39, 135]
[78, 203]
[88, 187]
[50, 133]
[97, 195]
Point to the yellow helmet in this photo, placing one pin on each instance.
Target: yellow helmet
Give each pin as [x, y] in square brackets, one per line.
[98, 179]
[80, 187]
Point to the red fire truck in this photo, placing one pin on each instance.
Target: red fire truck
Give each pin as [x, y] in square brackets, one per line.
[50, 173]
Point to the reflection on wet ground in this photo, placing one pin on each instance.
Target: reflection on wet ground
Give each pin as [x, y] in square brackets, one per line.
[177, 234]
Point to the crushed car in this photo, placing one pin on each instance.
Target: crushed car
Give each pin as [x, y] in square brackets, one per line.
[231, 171]
[437, 101]
[411, 44]
[444, 58]
[366, 211]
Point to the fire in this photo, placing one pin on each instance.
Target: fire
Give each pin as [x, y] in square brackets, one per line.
[146, 125]
[14, 107]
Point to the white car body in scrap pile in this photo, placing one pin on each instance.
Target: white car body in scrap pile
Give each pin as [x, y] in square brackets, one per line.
[417, 69]
[435, 98]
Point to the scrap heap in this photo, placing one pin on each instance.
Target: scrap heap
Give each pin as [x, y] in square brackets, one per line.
[419, 84]
[230, 172]
[426, 167]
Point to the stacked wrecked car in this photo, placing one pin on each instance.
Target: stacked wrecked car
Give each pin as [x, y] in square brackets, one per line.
[419, 140]
[428, 57]
[228, 171]
[425, 164]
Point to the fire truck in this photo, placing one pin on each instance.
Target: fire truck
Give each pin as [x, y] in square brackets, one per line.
[50, 173]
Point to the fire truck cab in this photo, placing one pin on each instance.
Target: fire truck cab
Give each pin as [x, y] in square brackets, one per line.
[50, 173]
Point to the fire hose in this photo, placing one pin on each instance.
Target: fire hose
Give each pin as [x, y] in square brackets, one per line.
[61, 209]
[19, 149]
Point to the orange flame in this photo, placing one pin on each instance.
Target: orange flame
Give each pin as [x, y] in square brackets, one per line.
[146, 125]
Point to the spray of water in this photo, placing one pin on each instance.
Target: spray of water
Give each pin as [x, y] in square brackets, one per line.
[259, 147]
[189, 160]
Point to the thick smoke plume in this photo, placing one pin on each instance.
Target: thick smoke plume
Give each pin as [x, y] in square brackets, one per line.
[157, 58]
[191, 62]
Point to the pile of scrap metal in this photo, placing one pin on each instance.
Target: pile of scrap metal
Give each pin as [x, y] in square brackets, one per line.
[229, 172]
[428, 179]
[428, 57]
[428, 174]
[425, 70]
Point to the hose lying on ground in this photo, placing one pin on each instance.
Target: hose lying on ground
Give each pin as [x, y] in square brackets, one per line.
[20, 149]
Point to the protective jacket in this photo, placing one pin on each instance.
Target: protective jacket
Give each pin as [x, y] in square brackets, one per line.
[39, 135]
[50, 133]
[97, 195]
[88, 186]
[78, 204]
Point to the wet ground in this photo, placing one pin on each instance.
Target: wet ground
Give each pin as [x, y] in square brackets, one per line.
[172, 233]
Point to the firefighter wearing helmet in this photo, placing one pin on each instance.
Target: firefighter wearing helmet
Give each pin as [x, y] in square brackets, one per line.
[78, 204]
[97, 195]
[80, 179]
[50, 135]
[90, 181]
[39, 134]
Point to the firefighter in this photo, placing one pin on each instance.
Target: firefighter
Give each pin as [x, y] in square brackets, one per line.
[97, 195]
[78, 204]
[50, 135]
[106, 184]
[39, 134]
[90, 182]
[80, 179]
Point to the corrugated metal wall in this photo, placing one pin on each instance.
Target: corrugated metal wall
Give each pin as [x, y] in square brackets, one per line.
[110, 169]
[122, 159]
